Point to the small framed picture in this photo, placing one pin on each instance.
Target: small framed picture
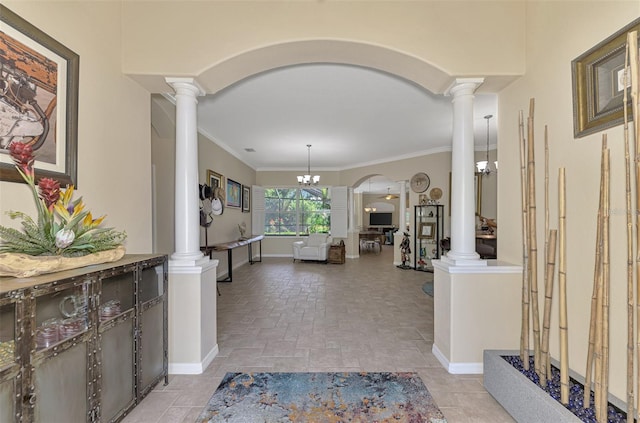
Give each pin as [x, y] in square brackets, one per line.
[215, 179]
[246, 199]
[234, 194]
[427, 230]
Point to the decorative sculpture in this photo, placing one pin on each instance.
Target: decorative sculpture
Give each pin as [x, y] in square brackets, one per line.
[405, 250]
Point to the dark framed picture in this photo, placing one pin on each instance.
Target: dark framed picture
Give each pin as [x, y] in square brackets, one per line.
[246, 199]
[427, 230]
[42, 76]
[599, 84]
[234, 194]
[215, 179]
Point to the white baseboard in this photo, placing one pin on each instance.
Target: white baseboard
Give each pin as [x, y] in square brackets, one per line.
[194, 368]
[457, 368]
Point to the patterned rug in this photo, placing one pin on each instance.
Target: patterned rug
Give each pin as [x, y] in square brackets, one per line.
[428, 288]
[321, 397]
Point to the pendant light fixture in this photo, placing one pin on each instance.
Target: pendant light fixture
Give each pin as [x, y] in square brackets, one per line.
[483, 165]
[368, 208]
[307, 179]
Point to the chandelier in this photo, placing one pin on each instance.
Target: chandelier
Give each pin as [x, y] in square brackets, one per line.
[369, 208]
[483, 165]
[307, 179]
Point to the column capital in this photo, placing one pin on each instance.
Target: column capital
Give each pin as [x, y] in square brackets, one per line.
[185, 86]
[463, 86]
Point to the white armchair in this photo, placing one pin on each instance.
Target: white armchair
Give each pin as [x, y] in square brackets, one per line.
[314, 247]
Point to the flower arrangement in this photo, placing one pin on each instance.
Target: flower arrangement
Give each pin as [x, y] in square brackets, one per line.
[63, 228]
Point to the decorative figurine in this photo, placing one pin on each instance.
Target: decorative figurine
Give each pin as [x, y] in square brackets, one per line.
[242, 227]
[405, 250]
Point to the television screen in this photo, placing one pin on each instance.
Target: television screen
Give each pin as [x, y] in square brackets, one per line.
[380, 219]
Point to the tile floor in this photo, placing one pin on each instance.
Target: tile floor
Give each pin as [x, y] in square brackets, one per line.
[364, 315]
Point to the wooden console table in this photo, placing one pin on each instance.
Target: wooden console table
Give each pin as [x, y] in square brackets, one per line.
[229, 246]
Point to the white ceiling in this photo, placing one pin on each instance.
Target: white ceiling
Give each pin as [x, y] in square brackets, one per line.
[352, 116]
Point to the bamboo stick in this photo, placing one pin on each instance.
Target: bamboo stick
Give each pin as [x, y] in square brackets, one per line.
[635, 82]
[546, 361]
[599, 298]
[548, 296]
[562, 282]
[594, 295]
[605, 293]
[631, 37]
[524, 336]
[533, 243]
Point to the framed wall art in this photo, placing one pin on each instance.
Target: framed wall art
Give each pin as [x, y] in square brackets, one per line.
[39, 102]
[246, 199]
[234, 194]
[215, 179]
[427, 230]
[598, 84]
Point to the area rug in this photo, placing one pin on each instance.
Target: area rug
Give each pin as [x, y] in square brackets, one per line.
[321, 397]
[428, 288]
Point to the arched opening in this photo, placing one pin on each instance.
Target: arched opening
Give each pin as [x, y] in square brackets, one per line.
[226, 75]
[243, 65]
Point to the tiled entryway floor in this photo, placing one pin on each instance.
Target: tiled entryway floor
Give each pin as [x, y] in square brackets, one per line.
[364, 315]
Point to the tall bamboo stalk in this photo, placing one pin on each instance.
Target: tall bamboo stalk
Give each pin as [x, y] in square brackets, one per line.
[597, 272]
[562, 283]
[598, 363]
[533, 243]
[545, 366]
[631, 39]
[635, 83]
[524, 336]
[605, 292]
[548, 296]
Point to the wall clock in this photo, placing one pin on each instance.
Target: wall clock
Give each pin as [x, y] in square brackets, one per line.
[420, 182]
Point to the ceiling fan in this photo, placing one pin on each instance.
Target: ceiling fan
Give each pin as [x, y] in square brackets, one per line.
[389, 196]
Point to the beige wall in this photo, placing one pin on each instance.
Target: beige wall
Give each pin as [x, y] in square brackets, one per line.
[210, 39]
[557, 32]
[114, 155]
[225, 227]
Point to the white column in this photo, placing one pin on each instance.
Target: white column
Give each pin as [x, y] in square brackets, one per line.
[187, 233]
[193, 342]
[351, 208]
[402, 219]
[463, 242]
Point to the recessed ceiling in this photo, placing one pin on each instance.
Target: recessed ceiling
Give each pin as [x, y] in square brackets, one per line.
[352, 116]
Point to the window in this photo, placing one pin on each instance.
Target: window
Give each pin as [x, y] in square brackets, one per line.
[296, 211]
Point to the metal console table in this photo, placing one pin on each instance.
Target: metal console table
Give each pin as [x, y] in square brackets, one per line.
[230, 246]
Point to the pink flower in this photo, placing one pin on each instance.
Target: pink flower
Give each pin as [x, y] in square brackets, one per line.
[22, 155]
[49, 192]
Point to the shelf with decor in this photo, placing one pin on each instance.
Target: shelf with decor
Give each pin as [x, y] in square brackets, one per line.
[429, 228]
